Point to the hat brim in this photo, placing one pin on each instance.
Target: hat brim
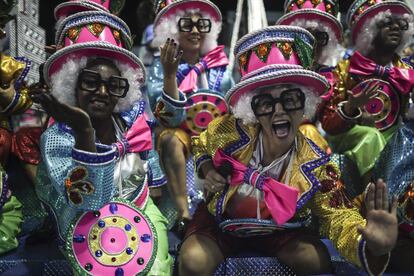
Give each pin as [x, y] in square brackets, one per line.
[278, 74]
[91, 49]
[313, 14]
[66, 8]
[204, 6]
[395, 7]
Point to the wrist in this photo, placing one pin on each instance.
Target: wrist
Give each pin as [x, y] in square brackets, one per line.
[170, 76]
[349, 109]
[84, 132]
[206, 168]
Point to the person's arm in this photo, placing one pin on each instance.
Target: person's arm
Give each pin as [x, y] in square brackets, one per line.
[364, 243]
[89, 175]
[77, 119]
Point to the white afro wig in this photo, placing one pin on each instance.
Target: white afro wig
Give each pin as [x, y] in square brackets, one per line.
[365, 37]
[332, 52]
[63, 82]
[243, 109]
[168, 28]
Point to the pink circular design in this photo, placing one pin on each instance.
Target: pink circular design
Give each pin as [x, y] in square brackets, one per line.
[201, 109]
[116, 216]
[374, 106]
[114, 240]
[385, 107]
[203, 118]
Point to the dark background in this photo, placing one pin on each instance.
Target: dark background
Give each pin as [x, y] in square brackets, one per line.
[138, 19]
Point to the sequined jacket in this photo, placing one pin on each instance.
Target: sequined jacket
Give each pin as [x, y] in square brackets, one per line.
[317, 179]
[63, 167]
[332, 122]
[9, 69]
[169, 111]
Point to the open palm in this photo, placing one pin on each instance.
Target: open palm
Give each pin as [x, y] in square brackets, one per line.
[381, 230]
[73, 116]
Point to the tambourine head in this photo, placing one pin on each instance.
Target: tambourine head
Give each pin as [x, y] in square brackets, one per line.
[201, 109]
[116, 240]
[385, 107]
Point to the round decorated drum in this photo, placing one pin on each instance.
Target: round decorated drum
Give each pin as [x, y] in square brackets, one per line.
[116, 240]
[385, 107]
[201, 109]
[254, 227]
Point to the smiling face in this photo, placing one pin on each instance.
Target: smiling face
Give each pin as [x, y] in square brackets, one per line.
[281, 126]
[191, 41]
[99, 104]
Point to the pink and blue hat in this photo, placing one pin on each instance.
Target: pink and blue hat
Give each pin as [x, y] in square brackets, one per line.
[363, 10]
[275, 55]
[74, 6]
[324, 11]
[92, 33]
[166, 8]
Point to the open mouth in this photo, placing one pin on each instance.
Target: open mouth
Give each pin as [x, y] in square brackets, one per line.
[281, 128]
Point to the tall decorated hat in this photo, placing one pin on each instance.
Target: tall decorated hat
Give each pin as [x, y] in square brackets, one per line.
[92, 33]
[324, 11]
[275, 55]
[73, 6]
[363, 10]
[166, 8]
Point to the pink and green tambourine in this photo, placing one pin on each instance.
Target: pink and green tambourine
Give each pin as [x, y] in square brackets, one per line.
[385, 107]
[201, 108]
[116, 240]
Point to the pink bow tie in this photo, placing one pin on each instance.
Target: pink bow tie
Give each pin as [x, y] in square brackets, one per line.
[215, 58]
[402, 79]
[280, 199]
[137, 138]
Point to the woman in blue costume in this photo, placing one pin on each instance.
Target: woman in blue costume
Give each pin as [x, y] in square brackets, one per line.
[94, 155]
[194, 27]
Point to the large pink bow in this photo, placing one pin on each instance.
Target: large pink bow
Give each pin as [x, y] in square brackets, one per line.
[280, 199]
[402, 79]
[137, 138]
[215, 58]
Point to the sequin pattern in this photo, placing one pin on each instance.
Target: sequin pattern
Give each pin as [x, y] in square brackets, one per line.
[312, 167]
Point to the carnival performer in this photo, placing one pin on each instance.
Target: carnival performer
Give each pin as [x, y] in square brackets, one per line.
[320, 19]
[93, 173]
[266, 178]
[371, 86]
[13, 100]
[395, 167]
[200, 73]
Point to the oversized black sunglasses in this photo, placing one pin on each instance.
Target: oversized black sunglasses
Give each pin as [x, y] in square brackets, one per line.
[186, 24]
[291, 100]
[91, 81]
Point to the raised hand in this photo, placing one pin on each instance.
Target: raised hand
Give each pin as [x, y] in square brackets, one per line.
[170, 58]
[74, 117]
[356, 101]
[381, 230]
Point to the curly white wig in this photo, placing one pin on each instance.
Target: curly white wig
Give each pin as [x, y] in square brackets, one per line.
[365, 37]
[63, 82]
[243, 109]
[332, 52]
[168, 28]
